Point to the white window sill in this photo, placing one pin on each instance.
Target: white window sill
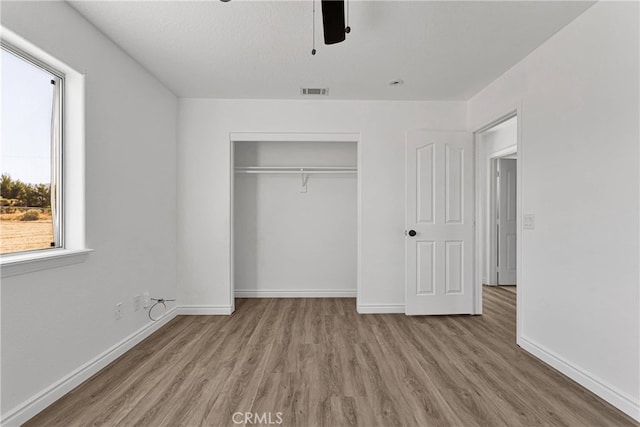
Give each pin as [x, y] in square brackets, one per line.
[13, 265]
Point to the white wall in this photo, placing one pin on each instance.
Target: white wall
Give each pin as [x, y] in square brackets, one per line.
[55, 321]
[204, 169]
[491, 143]
[289, 243]
[499, 137]
[579, 159]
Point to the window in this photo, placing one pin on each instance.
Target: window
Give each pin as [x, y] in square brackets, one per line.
[30, 154]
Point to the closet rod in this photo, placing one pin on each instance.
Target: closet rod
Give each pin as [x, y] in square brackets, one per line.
[296, 169]
[307, 172]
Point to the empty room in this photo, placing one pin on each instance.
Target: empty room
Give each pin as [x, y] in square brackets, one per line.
[320, 213]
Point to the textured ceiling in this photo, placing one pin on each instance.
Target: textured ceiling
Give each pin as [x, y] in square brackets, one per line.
[443, 50]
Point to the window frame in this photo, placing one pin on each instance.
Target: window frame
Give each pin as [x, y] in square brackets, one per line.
[75, 250]
[58, 221]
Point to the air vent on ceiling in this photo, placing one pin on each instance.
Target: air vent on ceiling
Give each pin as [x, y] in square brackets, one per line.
[314, 91]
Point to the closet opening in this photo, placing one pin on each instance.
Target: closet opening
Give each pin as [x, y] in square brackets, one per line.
[295, 216]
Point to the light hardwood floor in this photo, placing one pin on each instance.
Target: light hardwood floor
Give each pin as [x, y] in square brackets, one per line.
[317, 362]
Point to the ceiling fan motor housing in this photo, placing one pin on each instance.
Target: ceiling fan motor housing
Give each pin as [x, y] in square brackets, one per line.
[333, 21]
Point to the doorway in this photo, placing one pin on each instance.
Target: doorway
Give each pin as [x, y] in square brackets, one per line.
[498, 204]
[503, 241]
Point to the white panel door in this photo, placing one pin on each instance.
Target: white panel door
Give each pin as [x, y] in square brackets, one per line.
[439, 223]
[507, 227]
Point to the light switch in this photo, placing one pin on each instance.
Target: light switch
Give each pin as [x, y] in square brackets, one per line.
[528, 221]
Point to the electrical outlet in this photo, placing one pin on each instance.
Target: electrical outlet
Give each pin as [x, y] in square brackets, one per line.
[147, 299]
[137, 303]
[118, 310]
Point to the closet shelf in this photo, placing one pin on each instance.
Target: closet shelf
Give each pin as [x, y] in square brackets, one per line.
[296, 169]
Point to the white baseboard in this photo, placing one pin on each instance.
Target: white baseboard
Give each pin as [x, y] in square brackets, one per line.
[297, 293]
[620, 400]
[204, 310]
[381, 308]
[32, 406]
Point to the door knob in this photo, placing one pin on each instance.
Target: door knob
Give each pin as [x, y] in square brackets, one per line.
[412, 233]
